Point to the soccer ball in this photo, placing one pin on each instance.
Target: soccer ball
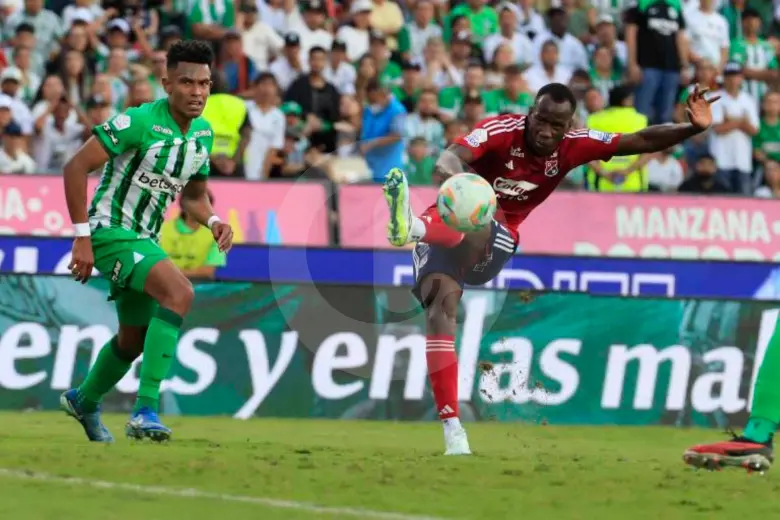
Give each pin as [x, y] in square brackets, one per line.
[466, 202]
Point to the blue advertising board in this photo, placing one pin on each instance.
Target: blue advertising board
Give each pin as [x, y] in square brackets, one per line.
[600, 275]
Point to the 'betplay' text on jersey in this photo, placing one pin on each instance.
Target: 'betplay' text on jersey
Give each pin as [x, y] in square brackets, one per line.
[150, 162]
[520, 179]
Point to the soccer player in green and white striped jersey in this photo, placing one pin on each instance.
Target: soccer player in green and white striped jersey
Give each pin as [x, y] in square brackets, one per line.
[755, 54]
[149, 154]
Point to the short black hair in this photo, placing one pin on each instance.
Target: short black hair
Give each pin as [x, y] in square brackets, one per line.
[190, 51]
[559, 93]
[750, 12]
[549, 43]
[374, 85]
[619, 94]
[513, 70]
[25, 27]
[580, 74]
[317, 48]
[265, 76]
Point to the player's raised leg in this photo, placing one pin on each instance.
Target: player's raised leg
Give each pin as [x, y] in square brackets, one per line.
[113, 362]
[753, 450]
[174, 294]
[403, 227]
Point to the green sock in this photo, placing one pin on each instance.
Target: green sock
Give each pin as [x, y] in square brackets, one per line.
[108, 369]
[765, 412]
[159, 349]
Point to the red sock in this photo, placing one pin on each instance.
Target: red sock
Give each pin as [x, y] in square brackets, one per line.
[440, 234]
[443, 371]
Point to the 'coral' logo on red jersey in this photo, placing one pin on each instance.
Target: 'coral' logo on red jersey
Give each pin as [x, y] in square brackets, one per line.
[509, 189]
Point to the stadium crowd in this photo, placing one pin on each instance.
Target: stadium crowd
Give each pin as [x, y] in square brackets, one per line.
[346, 89]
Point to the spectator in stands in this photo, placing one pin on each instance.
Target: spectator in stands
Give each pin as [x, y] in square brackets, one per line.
[58, 136]
[366, 72]
[438, 69]
[13, 157]
[772, 178]
[25, 39]
[348, 126]
[267, 127]
[227, 115]
[451, 98]
[461, 54]
[549, 70]
[735, 121]
[140, 92]
[756, 55]
[387, 18]
[664, 172]
[579, 83]
[423, 123]
[473, 108]
[388, 71]
[211, 20]
[383, 126]
[522, 48]
[10, 84]
[708, 32]
[415, 34]
[237, 69]
[513, 96]
[308, 24]
[408, 92]
[258, 39]
[340, 71]
[288, 67]
[657, 55]
[603, 75]
[453, 130]
[30, 80]
[483, 20]
[419, 166]
[621, 173]
[84, 10]
[705, 179]
[606, 36]
[572, 51]
[529, 22]
[503, 57]
[766, 143]
[318, 98]
[356, 35]
[98, 110]
[191, 246]
[77, 78]
[593, 101]
[48, 26]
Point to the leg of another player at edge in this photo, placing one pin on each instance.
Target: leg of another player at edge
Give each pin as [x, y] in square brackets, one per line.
[441, 295]
[113, 362]
[404, 227]
[754, 449]
[174, 293]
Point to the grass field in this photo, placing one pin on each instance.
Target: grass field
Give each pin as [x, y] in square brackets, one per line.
[301, 469]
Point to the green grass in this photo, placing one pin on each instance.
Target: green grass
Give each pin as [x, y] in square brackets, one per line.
[524, 472]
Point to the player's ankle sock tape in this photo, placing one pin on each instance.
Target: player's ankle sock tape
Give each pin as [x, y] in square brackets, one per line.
[759, 430]
[109, 368]
[159, 351]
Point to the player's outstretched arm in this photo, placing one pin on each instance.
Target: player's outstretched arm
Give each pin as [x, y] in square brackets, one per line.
[660, 137]
[195, 201]
[453, 160]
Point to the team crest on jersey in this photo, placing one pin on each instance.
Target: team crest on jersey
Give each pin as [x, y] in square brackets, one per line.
[604, 137]
[121, 122]
[551, 167]
[476, 137]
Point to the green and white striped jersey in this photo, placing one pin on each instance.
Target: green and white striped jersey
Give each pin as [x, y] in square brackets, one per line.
[759, 55]
[150, 163]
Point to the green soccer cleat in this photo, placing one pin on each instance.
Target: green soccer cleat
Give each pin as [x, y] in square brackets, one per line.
[396, 190]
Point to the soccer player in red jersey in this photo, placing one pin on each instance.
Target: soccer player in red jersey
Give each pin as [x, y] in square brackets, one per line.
[524, 158]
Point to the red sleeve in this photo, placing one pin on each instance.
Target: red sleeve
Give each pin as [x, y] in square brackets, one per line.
[493, 133]
[592, 145]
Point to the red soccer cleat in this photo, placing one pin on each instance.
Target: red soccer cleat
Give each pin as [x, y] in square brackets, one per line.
[738, 452]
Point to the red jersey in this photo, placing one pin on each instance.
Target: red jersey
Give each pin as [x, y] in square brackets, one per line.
[520, 179]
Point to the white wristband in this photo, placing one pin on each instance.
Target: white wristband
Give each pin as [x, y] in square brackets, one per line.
[82, 230]
[213, 219]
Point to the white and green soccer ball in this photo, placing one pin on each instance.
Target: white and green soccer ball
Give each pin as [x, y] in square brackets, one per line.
[466, 202]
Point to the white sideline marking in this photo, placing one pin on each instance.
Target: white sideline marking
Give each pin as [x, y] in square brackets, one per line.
[197, 493]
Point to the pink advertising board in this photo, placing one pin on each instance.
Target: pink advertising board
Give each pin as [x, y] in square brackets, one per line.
[290, 213]
[594, 224]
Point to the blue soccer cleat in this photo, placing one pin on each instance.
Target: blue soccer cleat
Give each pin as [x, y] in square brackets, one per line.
[145, 424]
[90, 421]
